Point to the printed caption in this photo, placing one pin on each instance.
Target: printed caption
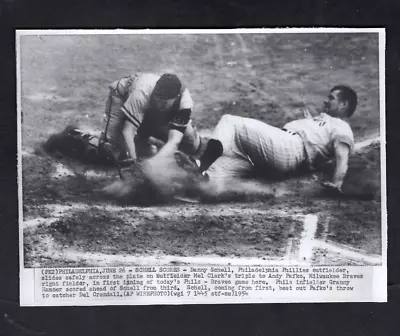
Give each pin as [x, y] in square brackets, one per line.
[194, 281]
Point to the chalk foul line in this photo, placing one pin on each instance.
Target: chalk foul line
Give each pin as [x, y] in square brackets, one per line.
[308, 244]
[348, 252]
[359, 146]
[306, 248]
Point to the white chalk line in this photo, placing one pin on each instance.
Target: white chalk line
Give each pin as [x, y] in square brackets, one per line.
[26, 153]
[102, 259]
[63, 171]
[58, 211]
[359, 146]
[308, 244]
[347, 252]
[325, 225]
[33, 223]
[305, 250]
[40, 96]
[306, 247]
[245, 50]
[219, 52]
[289, 247]
[177, 209]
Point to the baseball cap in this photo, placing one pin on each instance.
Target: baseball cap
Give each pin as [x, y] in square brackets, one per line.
[167, 87]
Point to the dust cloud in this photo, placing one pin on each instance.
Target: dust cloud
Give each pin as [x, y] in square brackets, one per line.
[161, 179]
[238, 190]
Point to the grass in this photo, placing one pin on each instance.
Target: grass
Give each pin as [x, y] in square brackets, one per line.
[65, 78]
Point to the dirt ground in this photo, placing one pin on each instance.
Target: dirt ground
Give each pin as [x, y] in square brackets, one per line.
[67, 222]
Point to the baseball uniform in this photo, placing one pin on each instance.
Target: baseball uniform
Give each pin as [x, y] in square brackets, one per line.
[321, 135]
[130, 99]
[249, 144]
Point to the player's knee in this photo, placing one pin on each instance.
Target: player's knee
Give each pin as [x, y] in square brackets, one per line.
[227, 117]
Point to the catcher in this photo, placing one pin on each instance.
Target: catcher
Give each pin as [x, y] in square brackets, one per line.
[143, 108]
[145, 113]
[241, 146]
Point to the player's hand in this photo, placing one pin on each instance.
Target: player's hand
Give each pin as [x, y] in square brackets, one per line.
[332, 189]
[306, 113]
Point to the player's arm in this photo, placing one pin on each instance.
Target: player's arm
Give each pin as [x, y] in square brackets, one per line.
[177, 130]
[133, 110]
[128, 132]
[342, 152]
[171, 146]
[343, 146]
[178, 124]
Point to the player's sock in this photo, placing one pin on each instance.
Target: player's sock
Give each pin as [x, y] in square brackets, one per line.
[213, 151]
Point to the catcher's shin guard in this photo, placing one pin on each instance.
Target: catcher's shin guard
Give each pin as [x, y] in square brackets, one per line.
[73, 143]
[106, 150]
[212, 152]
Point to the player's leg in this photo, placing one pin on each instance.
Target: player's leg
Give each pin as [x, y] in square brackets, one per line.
[271, 148]
[232, 162]
[212, 152]
[111, 141]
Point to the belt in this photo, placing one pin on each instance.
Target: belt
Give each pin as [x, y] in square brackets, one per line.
[290, 131]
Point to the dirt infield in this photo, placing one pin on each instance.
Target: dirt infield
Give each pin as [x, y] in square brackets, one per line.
[69, 219]
[267, 77]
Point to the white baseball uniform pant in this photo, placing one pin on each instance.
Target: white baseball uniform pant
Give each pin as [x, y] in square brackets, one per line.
[250, 143]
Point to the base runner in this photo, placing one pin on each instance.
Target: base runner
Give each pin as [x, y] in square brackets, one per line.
[240, 146]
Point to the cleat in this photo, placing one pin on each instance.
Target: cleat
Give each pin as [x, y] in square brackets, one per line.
[213, 151]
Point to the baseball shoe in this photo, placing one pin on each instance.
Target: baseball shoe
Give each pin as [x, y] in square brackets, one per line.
[212, 152]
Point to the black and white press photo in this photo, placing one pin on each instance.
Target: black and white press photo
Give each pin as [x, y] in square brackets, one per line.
[250, 157]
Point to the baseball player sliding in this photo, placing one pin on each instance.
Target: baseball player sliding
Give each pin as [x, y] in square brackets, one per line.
[143, 107]
[239, 145]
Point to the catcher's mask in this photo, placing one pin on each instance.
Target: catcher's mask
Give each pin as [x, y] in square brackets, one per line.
[167, 87]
